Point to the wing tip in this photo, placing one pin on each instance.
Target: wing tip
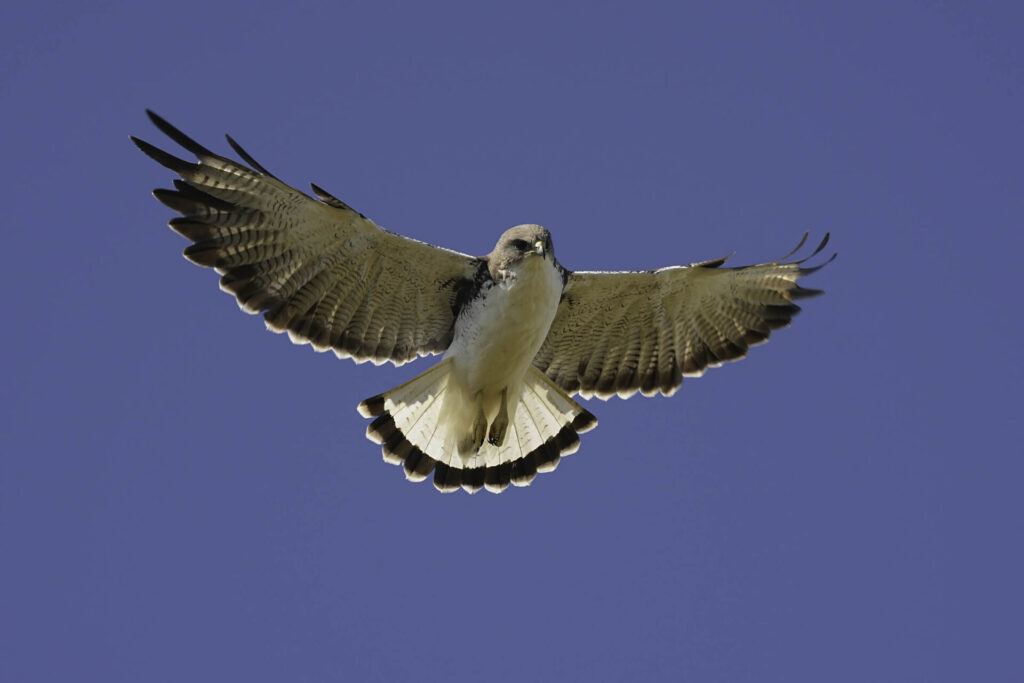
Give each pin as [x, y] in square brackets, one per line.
[247, 158]
[817, 250]
[173, 133]
[813, 269]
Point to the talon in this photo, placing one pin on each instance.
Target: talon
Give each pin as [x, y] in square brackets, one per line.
[479, 424]
[499, 427]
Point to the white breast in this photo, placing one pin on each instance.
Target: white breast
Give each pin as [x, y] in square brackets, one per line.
[500, 332]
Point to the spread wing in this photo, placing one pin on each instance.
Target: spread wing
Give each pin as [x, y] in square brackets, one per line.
[317, 269]
[623, 332]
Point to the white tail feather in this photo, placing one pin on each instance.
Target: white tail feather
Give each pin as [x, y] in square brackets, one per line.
[419, 423]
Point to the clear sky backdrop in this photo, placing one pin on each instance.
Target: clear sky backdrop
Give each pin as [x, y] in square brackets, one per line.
[186, 497]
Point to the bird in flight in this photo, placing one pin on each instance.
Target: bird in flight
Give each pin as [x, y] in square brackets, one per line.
[520, 333]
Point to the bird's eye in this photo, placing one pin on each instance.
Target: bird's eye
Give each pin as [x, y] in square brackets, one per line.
[521, 245]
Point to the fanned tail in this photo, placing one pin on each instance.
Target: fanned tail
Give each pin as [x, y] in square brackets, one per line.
[415, 428]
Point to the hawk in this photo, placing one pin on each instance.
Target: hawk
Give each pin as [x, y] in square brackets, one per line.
[520, 333]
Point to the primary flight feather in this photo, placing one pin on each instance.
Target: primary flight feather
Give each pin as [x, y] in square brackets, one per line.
[520, 334]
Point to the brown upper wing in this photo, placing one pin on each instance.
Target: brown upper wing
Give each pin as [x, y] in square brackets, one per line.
[623, 332]
[317, 269]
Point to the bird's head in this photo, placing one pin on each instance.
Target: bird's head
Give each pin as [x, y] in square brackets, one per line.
[520, 243]
[524, 246]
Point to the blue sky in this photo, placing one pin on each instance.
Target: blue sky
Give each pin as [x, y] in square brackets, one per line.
[184, 496]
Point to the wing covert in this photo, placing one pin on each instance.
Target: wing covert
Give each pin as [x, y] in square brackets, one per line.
[319, 270]
[616, 333]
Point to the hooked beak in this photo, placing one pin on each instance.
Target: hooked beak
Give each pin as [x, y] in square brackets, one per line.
[538, 248]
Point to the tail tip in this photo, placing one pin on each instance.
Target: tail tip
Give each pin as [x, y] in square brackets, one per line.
[584, 422]
[372, 407]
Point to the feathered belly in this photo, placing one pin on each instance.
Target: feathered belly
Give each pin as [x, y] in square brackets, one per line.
[506, 340]
[498, 336]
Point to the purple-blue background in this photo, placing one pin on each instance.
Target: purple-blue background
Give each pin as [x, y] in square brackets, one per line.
[184, 496]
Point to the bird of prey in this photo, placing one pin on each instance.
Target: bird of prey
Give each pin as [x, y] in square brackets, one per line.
[520, 333]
